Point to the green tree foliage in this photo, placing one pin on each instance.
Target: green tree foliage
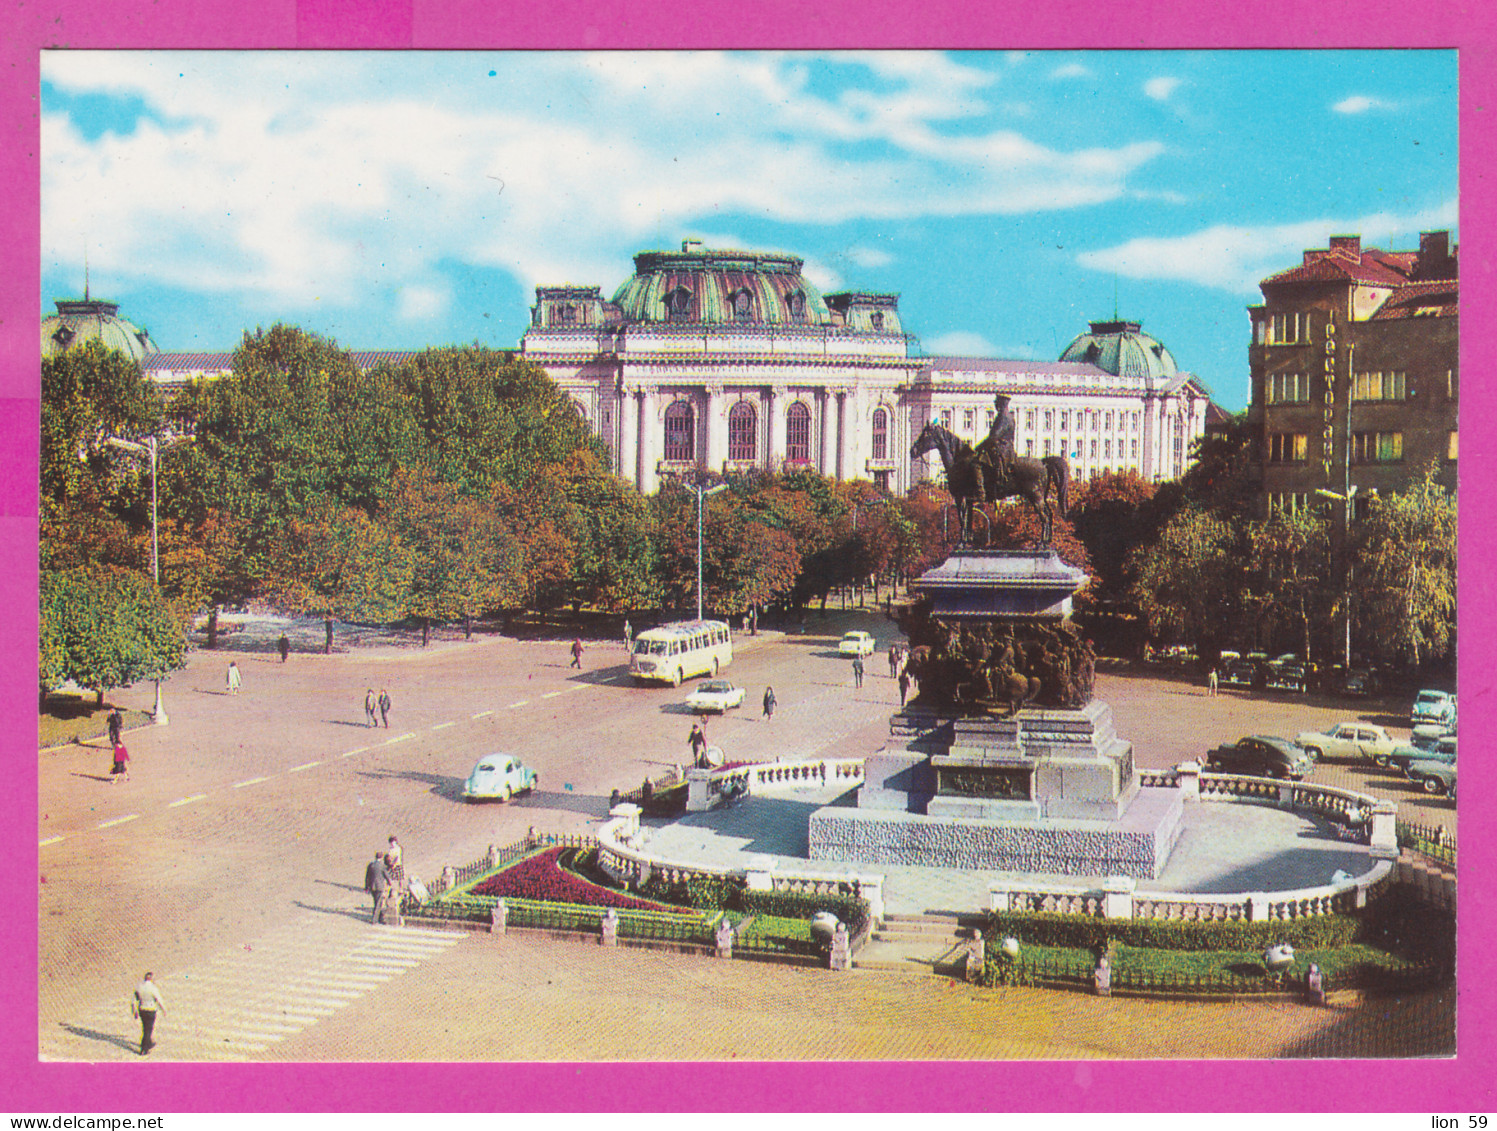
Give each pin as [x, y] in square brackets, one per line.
[1405, 580]
[614, 562]
[1291, 580]
[339, 564]
[103, 627]
[745, 561]
[1189, 583]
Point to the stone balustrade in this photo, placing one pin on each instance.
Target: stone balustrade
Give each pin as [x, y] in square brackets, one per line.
[706, 789]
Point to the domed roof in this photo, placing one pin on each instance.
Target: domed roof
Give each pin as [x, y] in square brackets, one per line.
[77, 320]
[701, 285]
[1122, 349]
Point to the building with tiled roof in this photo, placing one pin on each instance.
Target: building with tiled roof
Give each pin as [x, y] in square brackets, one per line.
[1356, 370]
[732, 360]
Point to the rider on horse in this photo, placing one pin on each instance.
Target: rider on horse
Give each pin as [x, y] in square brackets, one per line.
[996, 452]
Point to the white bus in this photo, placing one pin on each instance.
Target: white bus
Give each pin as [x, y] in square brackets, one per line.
[674, 652]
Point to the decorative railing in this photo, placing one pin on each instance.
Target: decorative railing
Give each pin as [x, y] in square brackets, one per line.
[1159, 779]
[1430, 841]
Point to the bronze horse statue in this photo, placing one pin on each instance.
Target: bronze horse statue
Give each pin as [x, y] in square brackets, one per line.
[1030, 479]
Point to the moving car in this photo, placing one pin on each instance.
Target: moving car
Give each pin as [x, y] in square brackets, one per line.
[1434, 777]
[1262, 756]
[1434, 707]
[715, 695]
[1405, 757]
[856, 644]
[498, 776]
[1349, 740]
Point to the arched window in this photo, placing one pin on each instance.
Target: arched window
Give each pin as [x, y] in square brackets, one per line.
[743, 432]
[678, 305]
[797, 434]
[877, 319]
[880, 434]
[743, 306]
[680, 432]
[796, 303]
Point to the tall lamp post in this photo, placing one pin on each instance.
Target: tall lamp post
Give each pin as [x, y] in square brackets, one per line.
[702, 493]
[1346, 500]
[151, 447]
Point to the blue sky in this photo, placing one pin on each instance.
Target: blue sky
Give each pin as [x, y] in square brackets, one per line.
[398, 200]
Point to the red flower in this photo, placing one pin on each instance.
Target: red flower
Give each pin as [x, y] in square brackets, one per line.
[541, 877]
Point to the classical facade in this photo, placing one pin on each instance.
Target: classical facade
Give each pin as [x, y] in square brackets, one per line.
[1356, 370]
[732, 360]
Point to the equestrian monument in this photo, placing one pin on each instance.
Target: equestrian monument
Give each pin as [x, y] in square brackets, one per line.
[1004, 761]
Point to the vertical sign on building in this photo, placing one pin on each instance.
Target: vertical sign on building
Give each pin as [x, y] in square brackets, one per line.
[1328, 430]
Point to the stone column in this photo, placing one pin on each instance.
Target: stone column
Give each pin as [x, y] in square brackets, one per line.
[724, 939]
[871, 890]
[499, 918]
[1117, 897]
[698, 790]
[819, 428]
[649, 425]
[610, 927]
[626, 449]
[1384, 831]
[841, 957]
[1190, 779]
[841, 458]
[774, 418]
[716, 450]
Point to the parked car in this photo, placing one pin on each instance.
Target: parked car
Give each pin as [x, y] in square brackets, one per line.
[1349, 740]
[1405, 756]
[1285, 677]
[1434, 777]
[1243, 673]
[499, 776]
[1262, 756]
[857, 644]
[715, 695]
[1433, 707]
[1358, 682]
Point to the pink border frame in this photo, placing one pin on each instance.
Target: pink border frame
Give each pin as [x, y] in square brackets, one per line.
[1459, 1085]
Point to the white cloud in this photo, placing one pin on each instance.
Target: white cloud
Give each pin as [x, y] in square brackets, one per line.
[1236, 258]
[1071, 71]
[1360, 104]
[959, 343]
[1161, 88]
[418, 303]
[294, 177]
[869, 256]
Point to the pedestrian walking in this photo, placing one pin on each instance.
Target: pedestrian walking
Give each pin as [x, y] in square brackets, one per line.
[121, 767]
[576, 653]
[697, 740]
[904, 686]
[146, 1005]
[232, 678]
[116, 725]
[769, 702]
[384, 707]
[1211, 683]
[284, 647]
[857, 671]
[893, 661]
[395, 867]
[370, 706]
[628, 635]
[376, 879]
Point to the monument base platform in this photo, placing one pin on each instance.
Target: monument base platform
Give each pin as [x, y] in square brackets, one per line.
[1136, 844]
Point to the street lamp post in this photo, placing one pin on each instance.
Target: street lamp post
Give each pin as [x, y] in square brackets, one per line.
[1346, 499]
[702, 493]
[151, 447]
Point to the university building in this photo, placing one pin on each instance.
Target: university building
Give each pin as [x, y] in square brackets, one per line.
[732, 360]
[1356, 371]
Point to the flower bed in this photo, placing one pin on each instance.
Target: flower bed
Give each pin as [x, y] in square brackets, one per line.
[543, 878]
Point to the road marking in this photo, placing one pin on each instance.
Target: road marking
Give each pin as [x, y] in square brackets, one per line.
[480, 714]
[577, 687]
[442, 726]
[119, 821]
[552, 694]
[358, 750]
[251, 781]
[518, 703]
[400, 738]
[186, 800]
[303, 766]
[49, 840]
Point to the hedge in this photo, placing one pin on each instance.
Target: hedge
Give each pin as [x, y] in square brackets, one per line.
[1083, 932]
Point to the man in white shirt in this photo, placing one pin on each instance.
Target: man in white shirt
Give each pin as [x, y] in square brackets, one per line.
[146, 1005]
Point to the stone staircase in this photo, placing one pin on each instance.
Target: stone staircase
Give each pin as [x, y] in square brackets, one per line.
[931, 944]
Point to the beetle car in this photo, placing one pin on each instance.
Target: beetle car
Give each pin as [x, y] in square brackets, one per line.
[498, 777]
[856, 644]
[1348, 740]
[714, 695]
[1263, 756]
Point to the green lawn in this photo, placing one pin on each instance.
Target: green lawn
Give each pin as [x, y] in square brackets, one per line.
[73, 719]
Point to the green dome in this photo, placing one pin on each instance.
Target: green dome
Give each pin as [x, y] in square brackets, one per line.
[1122, 349]
[78, 320]
[699, 285]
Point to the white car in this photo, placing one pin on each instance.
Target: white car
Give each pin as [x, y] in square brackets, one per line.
[856, 644]
[715, 695]
[498, 776]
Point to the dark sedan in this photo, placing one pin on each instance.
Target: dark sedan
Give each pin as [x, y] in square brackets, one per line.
[1261, 756]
